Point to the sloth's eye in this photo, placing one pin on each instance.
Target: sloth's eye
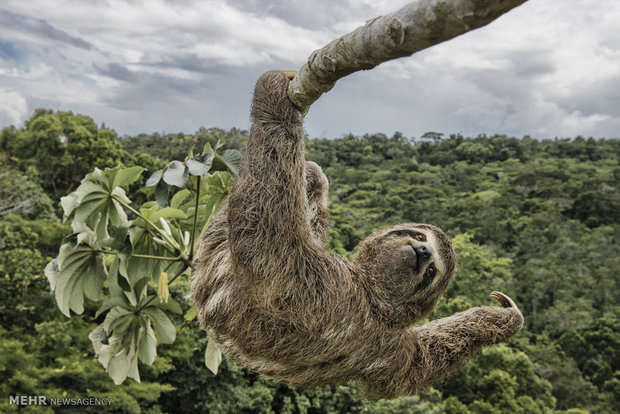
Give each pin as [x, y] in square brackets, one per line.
[431, 270]
[420, 237]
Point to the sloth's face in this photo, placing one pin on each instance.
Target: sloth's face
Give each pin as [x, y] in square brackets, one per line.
[422, 256]
[410, 265]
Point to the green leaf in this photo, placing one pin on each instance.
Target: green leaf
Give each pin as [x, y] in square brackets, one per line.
[167, 212]
[147, 344]
[176, 174]
[119, 356]
[113, 282]
[85, 235]
[213, 357]
[117, 214]
[191, 314]
[140, 288]
[51, 272]
[196, 167]
[120, 237]
[228, 161]
[233, 160]
[137, 268]
[154, 178]
[179, 197]
[131, 297]
[115, 177]
[164, 329]
[212, 206]
[124, 364]
[118, 320]
[206, 150]
[81, 272]
[88, 198]
[118, 368]
[161, 217]
[111, 302]
[94, 203]
[148, 205]
[133, 368]
[218, 183]
[100, 177]
[68, 204]
[161, 193]
[172, 306]
[124, 284]
[127, 176]
[95, 337]
[200, 165]
[123, 256]
[208, 159]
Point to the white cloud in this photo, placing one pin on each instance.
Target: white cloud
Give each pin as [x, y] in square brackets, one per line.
[155, 31]
[45, 83]
[548, 68]
[543, 69]
[13, 108]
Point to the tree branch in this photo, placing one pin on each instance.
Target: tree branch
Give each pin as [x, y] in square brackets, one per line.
[410, 29]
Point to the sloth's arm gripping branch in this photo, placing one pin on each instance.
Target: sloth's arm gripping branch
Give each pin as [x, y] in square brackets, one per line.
[431, 352]
[267, 206]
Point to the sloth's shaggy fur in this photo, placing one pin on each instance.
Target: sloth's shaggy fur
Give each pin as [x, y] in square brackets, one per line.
[273, 298]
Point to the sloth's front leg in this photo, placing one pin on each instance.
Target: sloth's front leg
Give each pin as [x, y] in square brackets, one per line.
[316, 191]
[430, 353]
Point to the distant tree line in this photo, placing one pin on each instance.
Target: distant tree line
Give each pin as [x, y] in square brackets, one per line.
[537, 219]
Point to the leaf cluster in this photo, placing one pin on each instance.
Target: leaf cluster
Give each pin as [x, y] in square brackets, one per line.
[116, 251]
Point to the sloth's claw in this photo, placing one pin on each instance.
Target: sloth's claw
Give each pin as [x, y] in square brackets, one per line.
[504, 300]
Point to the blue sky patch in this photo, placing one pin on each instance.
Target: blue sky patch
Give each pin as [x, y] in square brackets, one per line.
[8, 50]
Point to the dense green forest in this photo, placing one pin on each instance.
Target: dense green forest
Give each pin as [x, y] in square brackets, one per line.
[536, 219]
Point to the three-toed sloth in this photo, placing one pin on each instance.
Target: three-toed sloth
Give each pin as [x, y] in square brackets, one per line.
[273, 298]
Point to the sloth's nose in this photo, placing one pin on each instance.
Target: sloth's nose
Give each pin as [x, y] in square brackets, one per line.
[423, 252]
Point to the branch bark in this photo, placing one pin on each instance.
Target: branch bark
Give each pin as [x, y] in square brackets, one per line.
[410, 29]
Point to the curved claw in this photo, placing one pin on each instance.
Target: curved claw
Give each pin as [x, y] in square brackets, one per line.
[504, 300]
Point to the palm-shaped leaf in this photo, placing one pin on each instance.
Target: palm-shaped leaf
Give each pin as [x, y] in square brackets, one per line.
[79, 270]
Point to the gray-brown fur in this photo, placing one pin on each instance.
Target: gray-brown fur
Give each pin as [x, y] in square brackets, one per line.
[273, 298]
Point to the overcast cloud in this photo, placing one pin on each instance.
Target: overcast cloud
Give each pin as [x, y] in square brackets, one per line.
[548, 68]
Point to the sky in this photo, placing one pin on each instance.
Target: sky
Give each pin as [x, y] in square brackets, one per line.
[549, 68]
